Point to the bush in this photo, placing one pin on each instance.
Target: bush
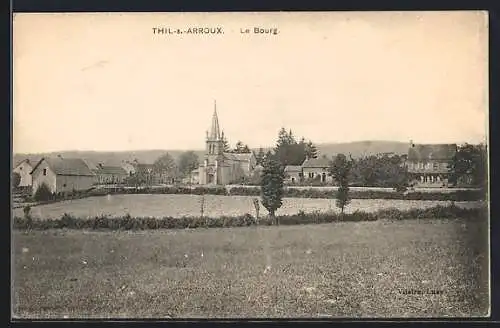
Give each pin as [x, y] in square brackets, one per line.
[27, 211]
[43, 193]
[15, 180]
[149, 223]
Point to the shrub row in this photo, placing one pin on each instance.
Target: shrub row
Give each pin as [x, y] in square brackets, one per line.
[459, 195]
[145, 223]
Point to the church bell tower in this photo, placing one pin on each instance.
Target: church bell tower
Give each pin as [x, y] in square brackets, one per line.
[214, 152]
[214, 142]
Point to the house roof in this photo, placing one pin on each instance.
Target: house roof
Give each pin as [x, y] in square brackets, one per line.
[66, 166]
[238, 157]
[27, 161]
[431, 152]
[113, 170]
[321, 162]
[293, 168]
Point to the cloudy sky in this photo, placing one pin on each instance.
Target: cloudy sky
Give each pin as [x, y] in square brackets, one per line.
[107, 82]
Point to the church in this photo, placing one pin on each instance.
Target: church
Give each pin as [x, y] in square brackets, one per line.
[219, 167]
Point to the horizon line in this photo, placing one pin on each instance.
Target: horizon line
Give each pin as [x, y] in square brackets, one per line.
[253, 148]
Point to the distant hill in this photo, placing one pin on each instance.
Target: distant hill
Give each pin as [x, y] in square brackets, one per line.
[356, 149]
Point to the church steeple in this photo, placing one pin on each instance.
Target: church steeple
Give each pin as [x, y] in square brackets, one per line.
[215, 130]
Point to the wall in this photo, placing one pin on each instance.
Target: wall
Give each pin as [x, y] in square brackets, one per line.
[317, 171]
[24, 170]
[68, 183]
[38, 178]
[428, 166]
[110, 178]
[294, 175]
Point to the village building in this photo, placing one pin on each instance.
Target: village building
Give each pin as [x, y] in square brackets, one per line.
[428, 165]
[110, 174]
[151, 175]
[219, 167]
[62, 175]
[128, 167]
[317, 168]
[293, 174]
[24, 169]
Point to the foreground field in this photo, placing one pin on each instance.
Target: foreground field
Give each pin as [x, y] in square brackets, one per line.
[342, 269]
[190, 205]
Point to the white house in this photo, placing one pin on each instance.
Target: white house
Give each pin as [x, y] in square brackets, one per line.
[24, 169]
[62, 175]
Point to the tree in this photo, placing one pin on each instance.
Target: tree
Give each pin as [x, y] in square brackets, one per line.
[272, 186]
[43, 193]
[241, 148]
[135, 180]
[470, 164]
[165, 166]
[310, 150]
[16, 179]
[188, 161]
[340, 168]
[260, 156]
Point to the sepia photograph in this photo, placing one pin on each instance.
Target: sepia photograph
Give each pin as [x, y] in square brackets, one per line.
[250, 165]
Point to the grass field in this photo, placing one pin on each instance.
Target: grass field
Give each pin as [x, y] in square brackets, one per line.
[190, 205]
[341, 270]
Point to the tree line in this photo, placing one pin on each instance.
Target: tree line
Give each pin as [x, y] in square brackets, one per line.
[469, 165]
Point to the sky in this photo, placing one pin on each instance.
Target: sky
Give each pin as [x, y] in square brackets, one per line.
[107, 82]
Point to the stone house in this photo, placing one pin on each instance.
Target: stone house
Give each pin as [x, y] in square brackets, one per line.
[428, 164]
[317, 168]
[293, 174]
[110, 174]
[24, 169]
[62, 175]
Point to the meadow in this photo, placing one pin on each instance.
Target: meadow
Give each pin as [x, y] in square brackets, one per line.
[413, 268]
[160, 205]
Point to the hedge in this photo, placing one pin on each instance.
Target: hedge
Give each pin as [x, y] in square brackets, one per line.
[147, 223]
[459, 195]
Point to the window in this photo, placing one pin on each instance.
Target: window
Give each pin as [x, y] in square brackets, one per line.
[21, 168]
[44, 171]
[293, 179]
[311, 175]
[64, 185]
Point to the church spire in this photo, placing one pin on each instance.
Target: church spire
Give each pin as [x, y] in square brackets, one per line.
[215, 131]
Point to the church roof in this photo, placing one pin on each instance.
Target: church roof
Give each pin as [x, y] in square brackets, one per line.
[238, 157]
